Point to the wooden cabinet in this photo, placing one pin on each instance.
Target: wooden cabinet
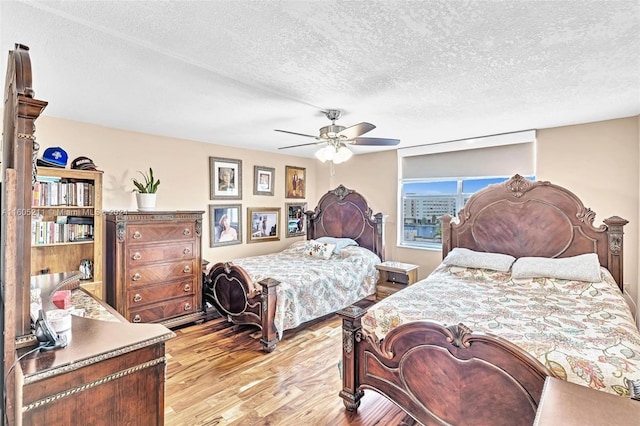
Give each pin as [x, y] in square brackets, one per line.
[110, 373]
[67, 224]
[394, 276]
[154, 266]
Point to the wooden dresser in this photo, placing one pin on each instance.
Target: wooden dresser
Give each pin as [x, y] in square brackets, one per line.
[153, 266]
[110, 373]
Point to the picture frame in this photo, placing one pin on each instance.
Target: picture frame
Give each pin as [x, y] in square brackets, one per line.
[263, 180]
[295, 182]
[218, 235]
[296, 219]
[263, 224]
[225, 178]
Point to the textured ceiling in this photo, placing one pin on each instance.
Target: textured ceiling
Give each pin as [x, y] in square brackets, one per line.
[230, 72]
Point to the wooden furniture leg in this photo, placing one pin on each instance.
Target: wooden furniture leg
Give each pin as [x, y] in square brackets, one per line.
[269, 332]
[351, 326]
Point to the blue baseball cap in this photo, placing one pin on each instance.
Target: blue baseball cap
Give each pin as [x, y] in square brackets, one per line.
[54, 157]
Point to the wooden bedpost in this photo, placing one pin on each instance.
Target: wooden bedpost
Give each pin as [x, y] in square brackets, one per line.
[614, 231]
[445, 226]
[351, 325]
[269, 332]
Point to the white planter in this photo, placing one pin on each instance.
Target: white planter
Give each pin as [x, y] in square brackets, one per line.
[146, 201]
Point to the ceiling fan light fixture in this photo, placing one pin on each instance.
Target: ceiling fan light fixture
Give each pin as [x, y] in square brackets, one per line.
[325, 153]
[342, 154]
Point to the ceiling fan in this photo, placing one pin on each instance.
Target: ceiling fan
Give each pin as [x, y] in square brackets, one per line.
[338, 137]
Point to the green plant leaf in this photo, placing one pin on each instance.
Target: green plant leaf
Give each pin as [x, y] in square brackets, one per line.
[149, 186]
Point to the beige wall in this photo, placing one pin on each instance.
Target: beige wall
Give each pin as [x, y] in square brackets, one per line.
[183, 168]
[603, 172]
[599, 163]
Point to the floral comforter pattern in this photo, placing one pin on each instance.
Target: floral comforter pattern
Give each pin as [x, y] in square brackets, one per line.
[582, 331]
[311, 287]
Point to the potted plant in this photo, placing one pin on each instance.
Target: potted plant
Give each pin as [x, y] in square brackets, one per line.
[146, 190]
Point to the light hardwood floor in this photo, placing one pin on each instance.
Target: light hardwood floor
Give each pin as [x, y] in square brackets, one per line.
[217, 374]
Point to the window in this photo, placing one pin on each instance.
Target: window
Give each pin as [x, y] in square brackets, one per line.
[424, 202]
[438, 179]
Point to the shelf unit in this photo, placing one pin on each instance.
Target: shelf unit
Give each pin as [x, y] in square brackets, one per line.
[66, 256]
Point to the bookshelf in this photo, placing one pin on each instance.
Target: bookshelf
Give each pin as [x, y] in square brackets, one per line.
[67, 224]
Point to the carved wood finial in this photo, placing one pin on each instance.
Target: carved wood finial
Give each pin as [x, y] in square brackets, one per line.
[341, 192]
[518, 185]
[458, 335]
[614, 225]
[586, 216]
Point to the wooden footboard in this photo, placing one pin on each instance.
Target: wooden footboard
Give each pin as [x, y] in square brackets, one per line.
[442, 375]
[229, 289]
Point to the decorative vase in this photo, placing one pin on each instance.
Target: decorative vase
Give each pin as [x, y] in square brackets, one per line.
[146, 201]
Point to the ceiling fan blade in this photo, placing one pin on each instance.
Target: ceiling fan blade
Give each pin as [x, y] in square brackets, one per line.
[302, 144]
[298, 134]
[375, 141]
[356, 130]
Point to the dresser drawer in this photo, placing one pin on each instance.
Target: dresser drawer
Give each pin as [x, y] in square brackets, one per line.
[164, 310]
[151, 294]
[152, 232]
[140, 255]
[143, 275]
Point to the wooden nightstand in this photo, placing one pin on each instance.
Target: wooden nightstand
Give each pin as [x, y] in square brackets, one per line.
[394, 276]
[567, 404]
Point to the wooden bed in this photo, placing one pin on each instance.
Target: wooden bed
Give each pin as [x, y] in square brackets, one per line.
[340, 213]
[452, 375]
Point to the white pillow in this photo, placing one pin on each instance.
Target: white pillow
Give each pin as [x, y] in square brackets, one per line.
[585, 267]
[340, 243]
[314, 248]
[476, 259]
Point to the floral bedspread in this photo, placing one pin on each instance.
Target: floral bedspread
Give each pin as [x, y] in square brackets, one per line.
[582, 331]
[311, 287]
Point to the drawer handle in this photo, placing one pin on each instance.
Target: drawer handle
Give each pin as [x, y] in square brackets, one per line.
[187, 306]
[137, 318]
[187, 287]
[186, 269]
[136, 256]
[137, 298]
[137, 235]
[186, 251]
[186, 232]
[136, 277]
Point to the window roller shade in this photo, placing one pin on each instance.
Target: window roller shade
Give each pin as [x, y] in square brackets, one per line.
[503, 160]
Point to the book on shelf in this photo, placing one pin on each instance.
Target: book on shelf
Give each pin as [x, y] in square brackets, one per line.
[63, 192]
[50, 232]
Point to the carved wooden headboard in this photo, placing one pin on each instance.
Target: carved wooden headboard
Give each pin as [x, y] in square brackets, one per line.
[344, 213]
[526, 218]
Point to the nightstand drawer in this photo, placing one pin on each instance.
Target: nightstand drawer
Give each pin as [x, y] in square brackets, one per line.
[394, 276]
[386, 290]
[397, 277]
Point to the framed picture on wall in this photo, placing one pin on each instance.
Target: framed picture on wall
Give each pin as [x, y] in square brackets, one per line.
[263, 180]
[263, 224]
[296, 221]
[225, 178]
[226, 225]
[295, 182]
